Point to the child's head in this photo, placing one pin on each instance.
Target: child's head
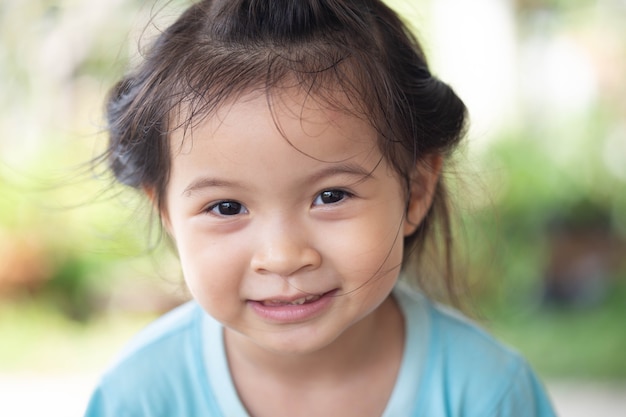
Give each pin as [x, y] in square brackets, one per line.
[352, 56]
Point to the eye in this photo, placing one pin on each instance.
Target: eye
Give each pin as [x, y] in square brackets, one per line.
[330, 197]
[227, 208]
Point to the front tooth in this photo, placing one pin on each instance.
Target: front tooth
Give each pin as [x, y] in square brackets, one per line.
[299, 301]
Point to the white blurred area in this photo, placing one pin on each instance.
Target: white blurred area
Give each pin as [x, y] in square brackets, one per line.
[42, 94]
[474, 49]
[526, 66]
[537, 74]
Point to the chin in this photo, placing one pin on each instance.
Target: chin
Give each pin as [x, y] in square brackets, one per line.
[297, 343]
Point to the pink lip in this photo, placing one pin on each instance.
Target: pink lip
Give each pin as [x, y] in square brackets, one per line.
[292, 313]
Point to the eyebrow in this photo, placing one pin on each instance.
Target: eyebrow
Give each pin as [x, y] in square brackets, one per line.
[343, 169]
[208, 182]
[349, 169]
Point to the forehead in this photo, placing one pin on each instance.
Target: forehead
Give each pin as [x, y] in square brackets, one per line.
[313, 124]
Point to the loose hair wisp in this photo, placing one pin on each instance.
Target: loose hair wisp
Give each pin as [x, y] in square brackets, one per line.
[220, 49]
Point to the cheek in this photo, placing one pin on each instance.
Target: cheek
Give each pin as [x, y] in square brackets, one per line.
[371, 248]
[211, 270]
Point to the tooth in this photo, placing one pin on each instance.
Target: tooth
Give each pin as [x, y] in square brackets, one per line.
[299, 301]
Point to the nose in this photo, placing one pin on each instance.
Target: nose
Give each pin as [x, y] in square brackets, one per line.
[284, 250]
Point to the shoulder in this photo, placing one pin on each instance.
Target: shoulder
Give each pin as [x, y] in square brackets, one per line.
[460, 339]
[174, 330]
[468, 372]
[159, 370]
[161, 347]
[450, 334]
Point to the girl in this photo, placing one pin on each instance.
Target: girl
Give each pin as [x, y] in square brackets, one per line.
[293, 150]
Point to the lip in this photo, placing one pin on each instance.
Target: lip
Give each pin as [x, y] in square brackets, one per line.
[292, 313]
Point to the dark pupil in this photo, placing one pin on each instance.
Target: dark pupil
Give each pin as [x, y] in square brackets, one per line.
[332, 196]
[229, 208]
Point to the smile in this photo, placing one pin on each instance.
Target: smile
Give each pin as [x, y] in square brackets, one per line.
[299, 301]
[293, 310]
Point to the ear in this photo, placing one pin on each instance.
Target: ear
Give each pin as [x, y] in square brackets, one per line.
[422, 190]
[151, 193]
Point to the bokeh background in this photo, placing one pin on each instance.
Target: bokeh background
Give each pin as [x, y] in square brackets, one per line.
[540, 188]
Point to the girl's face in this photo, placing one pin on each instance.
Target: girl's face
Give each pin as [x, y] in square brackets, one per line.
[288, 236]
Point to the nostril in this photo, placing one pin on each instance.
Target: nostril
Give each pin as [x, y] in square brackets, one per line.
[285, 260]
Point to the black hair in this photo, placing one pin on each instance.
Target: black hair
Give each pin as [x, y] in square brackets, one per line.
[219, 49]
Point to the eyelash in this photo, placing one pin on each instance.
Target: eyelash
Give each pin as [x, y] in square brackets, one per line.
[215, 208]
[237, 208]
[332, 192]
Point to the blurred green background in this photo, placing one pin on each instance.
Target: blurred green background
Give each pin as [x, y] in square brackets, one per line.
[540, 185]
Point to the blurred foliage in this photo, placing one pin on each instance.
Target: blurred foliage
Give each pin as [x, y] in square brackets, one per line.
[70, 346]
[59, 242]
[70, 243]
[567, 321]
[557, 5]
[575, 343]
[509, 238]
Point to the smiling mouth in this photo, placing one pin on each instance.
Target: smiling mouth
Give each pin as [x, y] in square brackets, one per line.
[289, 310]
[296, 302]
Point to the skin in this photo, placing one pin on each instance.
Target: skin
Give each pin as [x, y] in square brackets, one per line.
[261, 215]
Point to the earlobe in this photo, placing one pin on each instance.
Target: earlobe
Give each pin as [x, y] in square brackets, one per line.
[422, 190]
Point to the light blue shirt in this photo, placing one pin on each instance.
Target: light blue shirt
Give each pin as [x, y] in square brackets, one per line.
[451, 368]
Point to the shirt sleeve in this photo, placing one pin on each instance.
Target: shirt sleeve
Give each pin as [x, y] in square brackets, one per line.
[99, 406]
[525, 397]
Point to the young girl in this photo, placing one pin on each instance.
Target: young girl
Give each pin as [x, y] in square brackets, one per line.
[293, 150]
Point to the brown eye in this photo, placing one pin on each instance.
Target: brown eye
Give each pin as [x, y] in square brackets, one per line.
[227, 208]
[330, 197]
